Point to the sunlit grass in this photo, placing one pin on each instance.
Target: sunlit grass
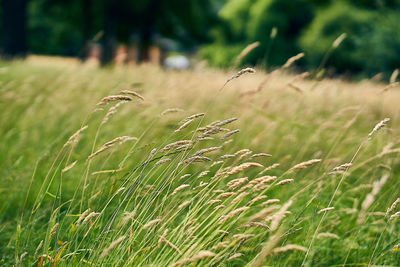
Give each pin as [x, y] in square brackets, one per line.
[268, 194]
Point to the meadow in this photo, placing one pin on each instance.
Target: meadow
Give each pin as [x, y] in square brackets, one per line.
[141, 166]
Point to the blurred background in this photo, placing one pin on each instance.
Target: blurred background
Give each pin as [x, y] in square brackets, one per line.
[349, 37]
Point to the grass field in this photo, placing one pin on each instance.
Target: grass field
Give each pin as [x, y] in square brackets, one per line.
[167, 180]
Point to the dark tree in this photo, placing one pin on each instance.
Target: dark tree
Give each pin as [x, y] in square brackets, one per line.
[109, 37]
[14, 28]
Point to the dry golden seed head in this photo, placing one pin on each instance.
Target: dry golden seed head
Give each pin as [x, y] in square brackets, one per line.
[70, 166]
[304, 164]
[204, 138]
[394, 75]
[263, 180]
[223, 244]
[342, 167]
[244, 188]
[83, 215]
[91, 215]
[339, 40]
[151, 223]
[209, 132]
[75, 136]
[202, 184]
[278, 216]
[225, 122]
[162, 236]
[240, 73]
[369, 199]
[171, 110]
[328, 235]
[286, 181]
[128, 92]
[162, 161]
[379, 126]
[38, 247]
[206, 150]
[244, 155]
[180, 262]
[190, 223]
[242, 151]
[270, 201]
[390, 151]
[184, 176]
[325, 210]
[296, 88]
[227, 156]
[179, 188]
[273, 166]
[175, 145]
[218, 191]
[225, 194]
[291, 60]
[242, 236]
[21, 258]
[257, 224]
[113, 98]
[237, 211]
[196, 159]
[246, 51]
[219, 207]
[260, 155]
[112, 110]
[395, 215]
[183, 126]
[258, 198]
[202, 174]
[228, 134]
[112, 246]
[216, 163]
[184, 204]
[121, 140]
[213, 201]
[223, 232]
[195, 116]
[393, 206]
[53, 230]
[240, 197]
[300, 76]
[235, 183]
[126, 216]
[243, 166]
[377, 213]
[107, 171]
[389, 86]
[168, 243]
[202, 254]
[289, 247]
[183, 147]
[260, 187]
[235, 256]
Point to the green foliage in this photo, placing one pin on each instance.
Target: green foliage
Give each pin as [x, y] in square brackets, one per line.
[249, 21]
[369, 47]
[51, 30]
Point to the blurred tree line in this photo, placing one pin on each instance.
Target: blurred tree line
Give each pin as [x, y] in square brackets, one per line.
[64, 27]
[221, 28]
[285, 28]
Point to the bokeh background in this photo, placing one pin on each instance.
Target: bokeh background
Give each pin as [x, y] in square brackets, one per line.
[125, 31]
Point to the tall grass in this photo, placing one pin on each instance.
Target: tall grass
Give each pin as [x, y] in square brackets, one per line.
[171, 170]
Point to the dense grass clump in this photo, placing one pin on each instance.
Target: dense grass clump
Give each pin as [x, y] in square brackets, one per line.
[143, 167]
